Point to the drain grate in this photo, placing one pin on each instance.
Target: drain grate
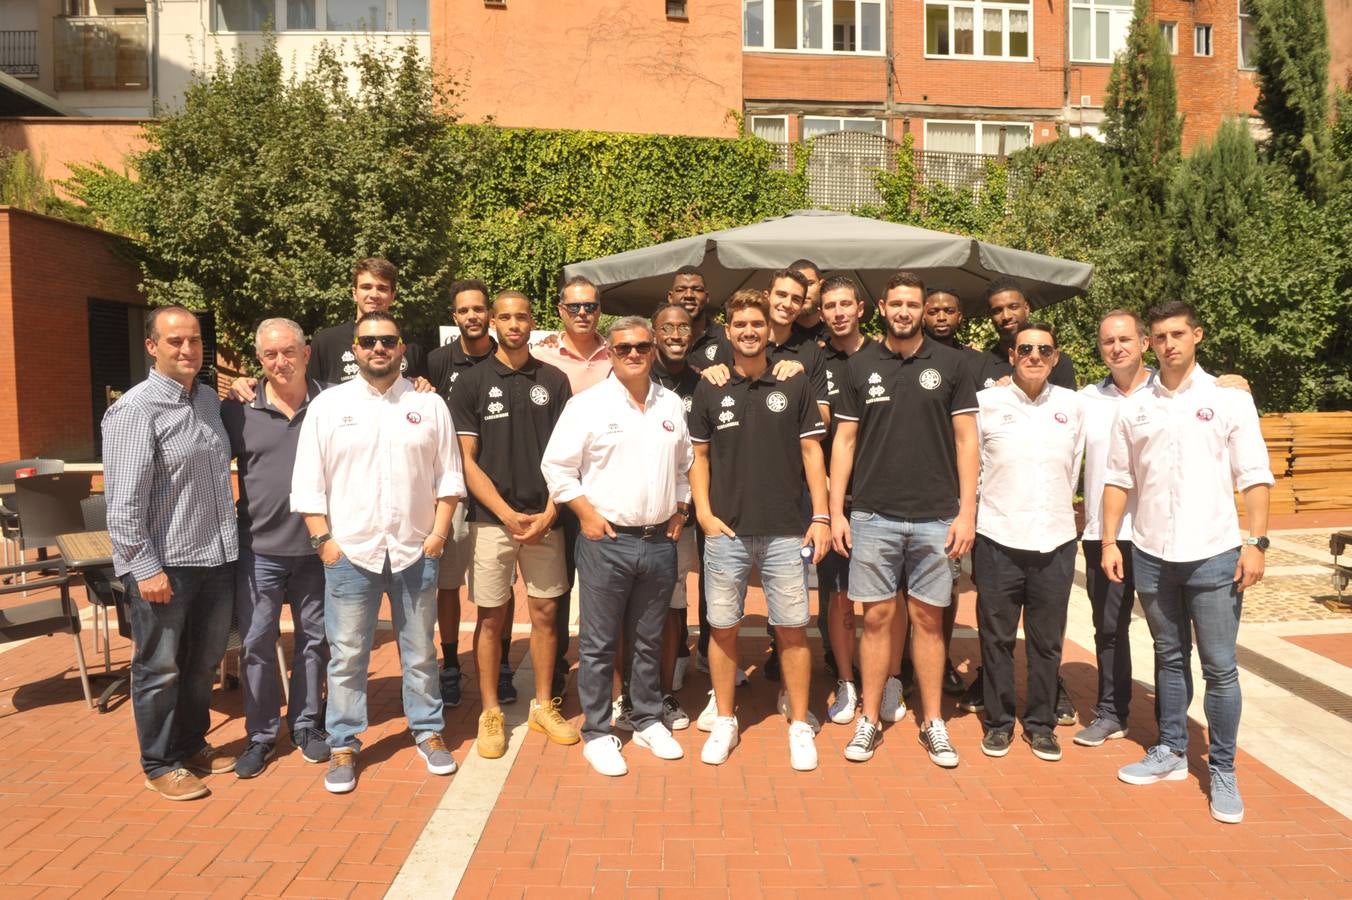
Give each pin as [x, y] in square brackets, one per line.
[1303, 686]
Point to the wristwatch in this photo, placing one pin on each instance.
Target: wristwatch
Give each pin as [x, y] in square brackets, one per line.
[319, 540]
[1262, 543]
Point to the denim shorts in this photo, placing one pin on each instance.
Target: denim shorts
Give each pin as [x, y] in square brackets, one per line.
[889, 555]
[727, 569]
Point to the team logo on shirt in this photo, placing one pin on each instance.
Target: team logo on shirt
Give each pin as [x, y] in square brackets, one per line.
[413, 418]
[728, 401]
[727, 417]
[687, 404]
[930, 379]
[711, 351]
[1061, 417]
[539, 395]
[876, 392]
[1205, 414]
[495, 411]
[775, 401]
[454, 376]
[667, 424]
[495, 392]
[989, 382]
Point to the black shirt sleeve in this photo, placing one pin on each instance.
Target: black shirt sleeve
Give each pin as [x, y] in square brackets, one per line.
[438, 369]
[464, 401]
[846, 401]
[815, 362]
[1064, 373]
[809, 414]
[698, 420]
[963, 398]
[416, 358]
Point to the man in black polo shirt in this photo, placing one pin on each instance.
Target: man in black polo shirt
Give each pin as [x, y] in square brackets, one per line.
[756, 439]
[445, 365]
[688, 291]
[907, 437]
[504, 411]
[373, 288]
[810, 320]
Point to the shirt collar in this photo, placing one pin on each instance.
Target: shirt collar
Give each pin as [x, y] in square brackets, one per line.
[1034, 401]
[922, 352]
[395, 391]
[502, 368]
[168, 388]
[1197, 377]
[618, 387]
[460, 358]
[766, 377]
[260, 401]
[565, 350]
[1109, 387]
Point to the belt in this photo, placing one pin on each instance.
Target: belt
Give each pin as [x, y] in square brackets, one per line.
[645, 532]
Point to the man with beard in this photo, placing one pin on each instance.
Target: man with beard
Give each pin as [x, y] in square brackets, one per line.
[504, 410]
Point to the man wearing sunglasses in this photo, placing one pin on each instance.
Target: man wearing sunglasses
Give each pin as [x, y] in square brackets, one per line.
[1032, 439]
[377, 478]
[619, 457]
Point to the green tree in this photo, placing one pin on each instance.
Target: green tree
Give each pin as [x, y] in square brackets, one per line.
[23, 187]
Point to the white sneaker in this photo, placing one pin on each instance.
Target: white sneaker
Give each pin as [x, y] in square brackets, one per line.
[841, 710]
[619, 713]
[604, 756]
[894, 705]
[657, 739]
[701, 662]
[721, 740]
[673, 716]
[678, 677]
[705, 722]
[784, 711]
[802, 749]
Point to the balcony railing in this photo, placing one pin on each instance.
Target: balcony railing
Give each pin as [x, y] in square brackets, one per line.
[101, 53]
[19, 53]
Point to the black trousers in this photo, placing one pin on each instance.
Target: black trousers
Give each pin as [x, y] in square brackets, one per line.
[563, 608]
[1112, 603]
[1037, 585]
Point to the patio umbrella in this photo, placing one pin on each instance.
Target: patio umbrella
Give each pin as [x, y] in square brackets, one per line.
[870, 250]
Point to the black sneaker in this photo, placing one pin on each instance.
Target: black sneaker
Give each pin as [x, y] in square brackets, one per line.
[253, 760]
[771, 667]
[952, 680]
[996, 742]
[907, 676]
[312, 743]
[506, 690]
[1044, 744]
[450, 686]
[867, 736]
[1065, 710]
[974, 698]
[559, 684]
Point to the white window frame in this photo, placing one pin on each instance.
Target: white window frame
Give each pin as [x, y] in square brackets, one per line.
[1198, 31]
[978, 8]
[1170, 32]
[841, 120]
[782, 119]
[981, 126]
[828, 29]
[1243, 16]
[321, 20]
[1127, 12]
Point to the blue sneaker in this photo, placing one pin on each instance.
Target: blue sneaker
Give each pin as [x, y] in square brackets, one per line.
[506, 690]
[1160, 764]
[1226, 805]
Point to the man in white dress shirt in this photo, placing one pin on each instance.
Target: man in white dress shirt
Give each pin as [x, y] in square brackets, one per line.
[1032, 437]
[1183, 445]
[377, 478]
[619, 457]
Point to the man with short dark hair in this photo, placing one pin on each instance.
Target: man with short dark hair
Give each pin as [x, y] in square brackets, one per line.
[1009, 311]
[810, 320]
[374, 288]
[689, 292]
[171, 520]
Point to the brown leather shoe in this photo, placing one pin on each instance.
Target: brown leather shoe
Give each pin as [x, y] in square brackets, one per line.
[209, 761]
[178, 784]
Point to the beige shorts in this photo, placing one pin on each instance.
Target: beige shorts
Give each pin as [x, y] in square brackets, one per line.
[496, 556]
[455, 558]
[687, 560]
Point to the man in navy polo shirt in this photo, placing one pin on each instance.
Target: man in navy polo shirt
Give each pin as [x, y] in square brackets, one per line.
[907, 437]
[756, 440]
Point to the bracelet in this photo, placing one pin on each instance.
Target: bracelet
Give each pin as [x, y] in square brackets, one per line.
[824, 519]
[1108, 543]
[443, 537]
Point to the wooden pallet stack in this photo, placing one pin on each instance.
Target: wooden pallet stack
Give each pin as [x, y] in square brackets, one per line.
[1278, 434]
[1311, 459]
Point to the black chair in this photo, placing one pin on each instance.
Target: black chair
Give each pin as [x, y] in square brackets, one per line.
[9, 518]
[49, 505]
[104, 589]
[42, 617]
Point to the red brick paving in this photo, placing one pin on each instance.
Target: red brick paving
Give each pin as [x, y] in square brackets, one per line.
[1337, 647]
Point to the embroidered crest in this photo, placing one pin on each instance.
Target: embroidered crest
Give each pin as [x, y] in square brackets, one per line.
[666, 423]
[728, 401]
[413, 418]
[539, 395]
[495, 392]
[1061, 417]
[930, 379]
[1205, 414]
[775, 401]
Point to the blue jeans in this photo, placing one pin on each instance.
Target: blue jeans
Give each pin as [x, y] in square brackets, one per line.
[351, 603]
[173, 663]
[727, 570]
[891, 554]
[264, 584]
[1179, 598]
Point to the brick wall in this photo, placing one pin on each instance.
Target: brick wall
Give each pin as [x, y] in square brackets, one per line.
[838, 79]
[49, 269]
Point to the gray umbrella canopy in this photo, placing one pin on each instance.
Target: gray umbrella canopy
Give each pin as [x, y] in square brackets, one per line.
[870, 250]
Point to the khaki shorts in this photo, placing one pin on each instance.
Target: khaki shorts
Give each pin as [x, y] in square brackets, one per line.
[496, 556]
[687, 561]
[455, 558]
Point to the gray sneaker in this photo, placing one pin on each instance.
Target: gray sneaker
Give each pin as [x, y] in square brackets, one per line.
[342, 774]
[1098, 731]
[1226, 805]
[1160, 764]
[434, 752]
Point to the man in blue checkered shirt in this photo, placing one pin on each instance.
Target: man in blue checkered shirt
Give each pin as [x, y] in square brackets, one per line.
[171, 517]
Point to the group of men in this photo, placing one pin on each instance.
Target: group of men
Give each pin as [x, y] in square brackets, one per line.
[785, 439]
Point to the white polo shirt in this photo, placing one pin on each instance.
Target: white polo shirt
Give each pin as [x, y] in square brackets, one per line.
[631, 464]
[1101, 400]
[376, 463]
[1184, 453]
[1030, 464]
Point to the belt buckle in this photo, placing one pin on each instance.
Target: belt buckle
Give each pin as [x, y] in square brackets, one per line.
[650, 532]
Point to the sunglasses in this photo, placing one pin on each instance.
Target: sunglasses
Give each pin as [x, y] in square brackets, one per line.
[673, 329]
[575, 308]
[622, 350]
[388, 341]
[1043, 350]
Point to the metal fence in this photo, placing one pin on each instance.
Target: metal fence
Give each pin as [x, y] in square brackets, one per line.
[19, 53]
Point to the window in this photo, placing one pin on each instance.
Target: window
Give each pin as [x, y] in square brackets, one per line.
[1247, 38]
[1201, 40]
[976, 137]
[1098, 29]
[814, 126]
[818, 26]
[951, 29]
[313, 15]
[1169, 31]
[676, 9]
[774, 129]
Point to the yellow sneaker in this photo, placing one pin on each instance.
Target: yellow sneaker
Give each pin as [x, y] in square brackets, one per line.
[492, 740]
[550, 722]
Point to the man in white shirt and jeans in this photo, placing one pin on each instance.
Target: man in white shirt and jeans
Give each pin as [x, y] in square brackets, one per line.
[377, 478]
[1183, 445]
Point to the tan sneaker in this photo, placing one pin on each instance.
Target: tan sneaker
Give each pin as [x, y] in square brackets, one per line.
[550, 722]
[209, 761]
[179, 784]
[492, 740]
